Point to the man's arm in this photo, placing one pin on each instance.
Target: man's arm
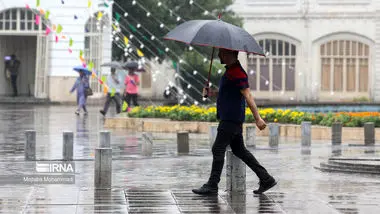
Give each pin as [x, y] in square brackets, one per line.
[252, 105]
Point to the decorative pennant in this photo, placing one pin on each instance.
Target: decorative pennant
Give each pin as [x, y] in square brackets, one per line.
[38, 19]
[59, 28]
[37, 3]
[114, 26]
[70, 51]
[117, 16]
[47, 14]
[174, 64]
[160, 51]
[89, 3]
[81, 53]
[90, 66]
[63, 37]
[104, 79]
[106, 5]
[63, 2]
[100, 15]
[125, 106]
[71, 42]
[84, 65]
[47, 31]
[75, 17]
[132, 28]
[146, 38]
[139, 52]
[27, 6]
[126, 40]
[81, 59]
[93, 74]
[56, 39]
[42, 12]
[54, 27]
[105, 89]
[100, 81]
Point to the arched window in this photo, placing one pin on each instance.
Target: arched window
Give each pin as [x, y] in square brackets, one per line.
[93, 45]
[276, 72]
[344, 66]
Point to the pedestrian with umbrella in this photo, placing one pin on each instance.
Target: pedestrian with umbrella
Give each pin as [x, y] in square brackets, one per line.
[82, 86]
[132, 82]
[233, 93]
[114, 83]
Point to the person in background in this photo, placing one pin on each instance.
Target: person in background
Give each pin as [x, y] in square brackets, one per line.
[114, 89]
[11, 71]
[132, 82]
[80, 85]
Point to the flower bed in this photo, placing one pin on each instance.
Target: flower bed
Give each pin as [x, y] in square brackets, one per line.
[195, 113]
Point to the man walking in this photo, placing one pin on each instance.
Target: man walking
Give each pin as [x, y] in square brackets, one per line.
[11, 69]
[114, 88]
[233, 93]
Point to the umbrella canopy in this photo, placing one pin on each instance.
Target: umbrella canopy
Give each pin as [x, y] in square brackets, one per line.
[215, 33]
[134, 65]
[113, 64]
[83, 69]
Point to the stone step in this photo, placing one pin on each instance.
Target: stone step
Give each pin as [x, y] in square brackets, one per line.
[358, 167]
[331, 168]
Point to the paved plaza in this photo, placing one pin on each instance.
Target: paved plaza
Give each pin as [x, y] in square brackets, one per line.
[162, 183]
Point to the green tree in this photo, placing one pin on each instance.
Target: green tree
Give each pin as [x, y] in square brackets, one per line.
[167, 14]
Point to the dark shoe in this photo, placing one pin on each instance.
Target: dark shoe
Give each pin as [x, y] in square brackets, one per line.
[102, 112]
[206, 189]
[77, 112]
[265, 185]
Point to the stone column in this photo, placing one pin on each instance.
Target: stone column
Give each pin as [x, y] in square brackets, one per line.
[336, 138]
[235, 172]
[274, 132]
[30, 145]
[250, 135]
[147, 144]
[213, 131]
[306, 137]
[105, 139]
[183, 143]
[103, 168]
[68, 145]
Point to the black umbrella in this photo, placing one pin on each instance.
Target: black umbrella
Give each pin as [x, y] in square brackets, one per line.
[133, 65]
[216, 34]
[113, 64]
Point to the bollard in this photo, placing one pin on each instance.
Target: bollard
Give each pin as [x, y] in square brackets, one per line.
[235, 173]
[183, 142]
[147, 145]
[369, 134]
[30, 145]
[306, 137]
[336, 138]
[274, 131]
[68, 145]
[103, 168]
[213, 131]
[105, 139]
[250, 134]
[369, 137]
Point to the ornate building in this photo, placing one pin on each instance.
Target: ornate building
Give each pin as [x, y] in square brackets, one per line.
[317, 50]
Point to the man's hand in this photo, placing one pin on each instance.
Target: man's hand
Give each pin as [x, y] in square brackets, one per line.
[260, 123]
[205, 92]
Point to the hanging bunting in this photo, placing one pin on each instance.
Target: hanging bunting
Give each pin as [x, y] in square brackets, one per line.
[145, 38]
[81, 53]
[89, 3]
[38, 20]
[100, 15]
[37, 3]
[117, 16]
[59, 28]
[93, 74]
[42, 12]
[174, 64]
[106, 5]
[105, 89]
[71, 42]
[27, 6]
[114, 27]
[47, 14]
[125, 106]
[160, 51]
[139, 52]
[56, 38]
[63, 37]
[126, 40]
[132, 28]
[70, 51]
[90, 66]
[81, 59]
[54, 27]
[100, 81]
[84, 64]
[47, 31]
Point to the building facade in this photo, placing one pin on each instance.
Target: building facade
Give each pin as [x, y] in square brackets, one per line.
[46, 69]
[317, 50]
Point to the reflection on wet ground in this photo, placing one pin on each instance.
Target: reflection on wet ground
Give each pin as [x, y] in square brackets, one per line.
[162, 183]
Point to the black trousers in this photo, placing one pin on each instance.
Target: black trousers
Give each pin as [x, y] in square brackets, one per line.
[116, 98]
[129, 97]
[14, 84]
[230, 133]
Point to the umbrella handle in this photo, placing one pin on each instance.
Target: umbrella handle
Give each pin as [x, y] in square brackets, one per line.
[209, 74]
